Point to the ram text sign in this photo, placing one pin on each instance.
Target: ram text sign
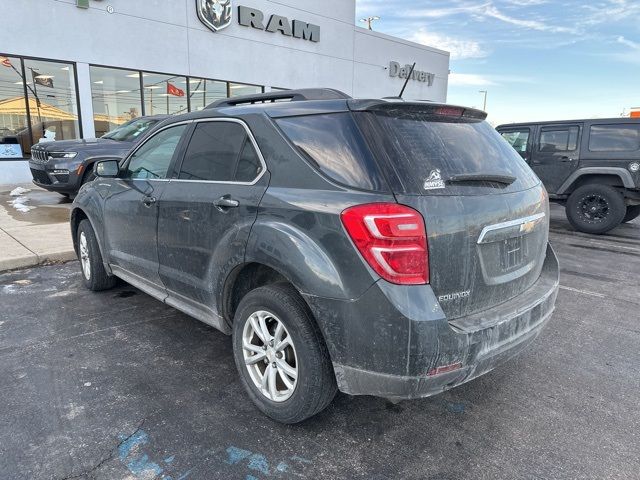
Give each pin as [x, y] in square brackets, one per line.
[396, 70]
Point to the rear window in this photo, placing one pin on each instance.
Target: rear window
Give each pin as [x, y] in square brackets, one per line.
[333, 144]
[426, 150]
[614, 138]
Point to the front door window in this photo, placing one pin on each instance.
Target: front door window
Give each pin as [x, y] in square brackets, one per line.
[152, 160]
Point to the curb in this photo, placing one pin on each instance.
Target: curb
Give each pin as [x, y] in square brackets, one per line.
[34, 260]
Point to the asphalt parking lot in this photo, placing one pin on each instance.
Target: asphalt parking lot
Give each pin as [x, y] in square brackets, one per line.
[119, 386]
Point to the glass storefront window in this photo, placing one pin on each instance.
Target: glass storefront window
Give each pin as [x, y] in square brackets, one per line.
[204, 92]
[237, 89]
[164, 94]
[52, 100]
[14, 131]
[116, 97]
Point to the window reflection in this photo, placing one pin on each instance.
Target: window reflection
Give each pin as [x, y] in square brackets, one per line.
[204, 92]
[237, 89]
[52, 101]
[116, 97]
[13, 109]
[164, 94]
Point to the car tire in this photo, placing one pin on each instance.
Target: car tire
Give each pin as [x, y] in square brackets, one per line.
[94, 275]
[633, 212]
[282, 311]
[595, 209]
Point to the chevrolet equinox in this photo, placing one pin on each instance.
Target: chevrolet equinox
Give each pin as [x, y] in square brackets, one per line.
[376, 247]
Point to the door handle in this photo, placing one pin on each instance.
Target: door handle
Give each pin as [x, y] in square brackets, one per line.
[225, 202]
[148, 201]
[566, 159]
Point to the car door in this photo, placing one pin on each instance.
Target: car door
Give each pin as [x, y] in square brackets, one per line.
[556, 154]
[206, 214]
[520, 139]
[131, 210]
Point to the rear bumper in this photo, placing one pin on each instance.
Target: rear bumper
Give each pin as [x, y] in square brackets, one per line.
[389, 342]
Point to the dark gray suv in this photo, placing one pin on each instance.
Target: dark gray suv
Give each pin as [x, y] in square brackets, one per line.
[377, 247]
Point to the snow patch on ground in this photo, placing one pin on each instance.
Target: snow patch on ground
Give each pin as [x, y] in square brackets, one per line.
[20, 202]
[16, 192]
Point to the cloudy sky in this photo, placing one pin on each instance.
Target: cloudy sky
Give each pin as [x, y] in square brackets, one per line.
[538, 59]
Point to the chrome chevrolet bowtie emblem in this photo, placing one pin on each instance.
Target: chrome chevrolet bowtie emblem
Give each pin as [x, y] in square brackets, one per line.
[215, 14]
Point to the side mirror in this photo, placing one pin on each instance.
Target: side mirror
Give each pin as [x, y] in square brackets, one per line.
[107, 168]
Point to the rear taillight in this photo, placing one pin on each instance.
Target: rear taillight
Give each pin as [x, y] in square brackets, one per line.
[392, 239]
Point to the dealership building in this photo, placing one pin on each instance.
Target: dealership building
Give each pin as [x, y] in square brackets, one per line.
[78, 68]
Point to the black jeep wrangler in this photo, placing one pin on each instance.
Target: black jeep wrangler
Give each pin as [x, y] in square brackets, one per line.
[590, 166]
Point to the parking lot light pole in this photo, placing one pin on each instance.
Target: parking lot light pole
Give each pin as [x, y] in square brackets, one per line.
[484, 105]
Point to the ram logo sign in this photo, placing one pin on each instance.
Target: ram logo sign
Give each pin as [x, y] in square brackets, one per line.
[215, 14]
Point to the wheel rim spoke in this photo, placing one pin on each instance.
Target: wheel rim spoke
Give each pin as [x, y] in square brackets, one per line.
[265, 331]
[252, 348]
[265, 377]
[253, 359]
[277, 335]
[255, 324]
[273, 393]
[283, 344]
[286, 368]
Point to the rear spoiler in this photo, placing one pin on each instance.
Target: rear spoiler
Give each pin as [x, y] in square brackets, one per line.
[416, 107]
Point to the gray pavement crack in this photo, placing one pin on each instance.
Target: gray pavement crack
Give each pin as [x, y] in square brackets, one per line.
[89, 473]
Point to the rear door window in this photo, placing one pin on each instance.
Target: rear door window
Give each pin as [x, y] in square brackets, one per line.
[220, 152]
[333, 145]
[614, 138]
[559, 139]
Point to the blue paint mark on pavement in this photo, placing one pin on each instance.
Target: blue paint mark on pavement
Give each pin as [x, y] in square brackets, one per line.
[236, 455]
[138, 438]
[259, 462]
[143, 466]
[456, 407]
[139, 464]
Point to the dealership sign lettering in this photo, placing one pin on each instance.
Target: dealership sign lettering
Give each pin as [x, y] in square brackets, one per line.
[396, 70]
[217, 14]
[251, 17]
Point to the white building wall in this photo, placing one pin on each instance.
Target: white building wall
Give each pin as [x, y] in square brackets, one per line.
[167, 37]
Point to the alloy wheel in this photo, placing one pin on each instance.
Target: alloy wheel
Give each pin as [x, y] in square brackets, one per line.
[594, 208]
[270, 356]
[84, 256]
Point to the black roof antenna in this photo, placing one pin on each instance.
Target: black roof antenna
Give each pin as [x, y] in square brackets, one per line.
[407, 80]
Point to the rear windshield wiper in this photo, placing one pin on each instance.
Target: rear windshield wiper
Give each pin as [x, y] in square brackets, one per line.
[482, 177]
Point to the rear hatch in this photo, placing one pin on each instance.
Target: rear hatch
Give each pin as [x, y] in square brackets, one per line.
[486, 212]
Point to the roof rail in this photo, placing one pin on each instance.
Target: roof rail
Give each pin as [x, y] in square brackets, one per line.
[291, 95]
